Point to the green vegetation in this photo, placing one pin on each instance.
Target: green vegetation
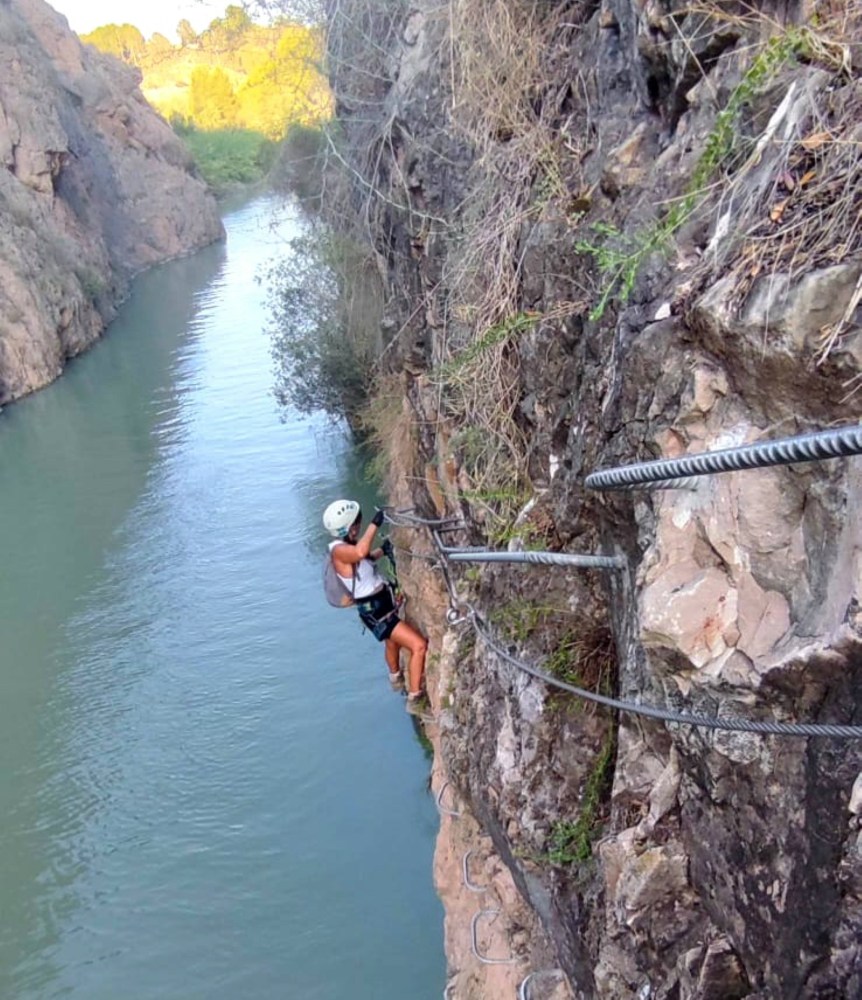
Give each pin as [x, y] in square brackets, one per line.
[572, 842]
[124, 41]
[519, 619]
[326, 303]
[422, 738]
[619, 257]
[301, 167]
[585, 657]
[326, 300]
[212, 102]
[91, 282]
[496, 334]
[230, 156]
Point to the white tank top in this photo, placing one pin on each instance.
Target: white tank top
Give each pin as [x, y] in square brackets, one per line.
[368, 580]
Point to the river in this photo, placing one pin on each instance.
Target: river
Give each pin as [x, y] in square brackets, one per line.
[207, 791]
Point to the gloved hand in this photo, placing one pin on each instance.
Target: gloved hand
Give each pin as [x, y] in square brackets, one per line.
[377, 520]
[387, 548]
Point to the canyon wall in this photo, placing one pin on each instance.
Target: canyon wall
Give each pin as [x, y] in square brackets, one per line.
[94, 186]
[613, 231]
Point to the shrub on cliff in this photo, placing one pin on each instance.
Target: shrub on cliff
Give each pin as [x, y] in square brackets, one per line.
[325, 302]
[300, 166]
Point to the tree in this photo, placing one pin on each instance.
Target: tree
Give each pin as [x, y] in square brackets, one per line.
[288, 87]
[225, 33]
[121, 40]
[186, 33]
[325, 302]
[236, 21]
[158, 49]
[212, 103]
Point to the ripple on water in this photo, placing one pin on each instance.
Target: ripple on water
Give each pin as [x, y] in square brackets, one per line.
[210, 791]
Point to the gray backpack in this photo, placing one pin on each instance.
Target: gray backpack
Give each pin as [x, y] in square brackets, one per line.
[335, 588]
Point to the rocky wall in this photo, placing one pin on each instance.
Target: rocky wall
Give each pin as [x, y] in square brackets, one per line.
[94, 186]
[718, 864]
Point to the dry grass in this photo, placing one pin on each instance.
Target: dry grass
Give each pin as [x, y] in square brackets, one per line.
[388, 426]
[578, 648]
[809, 216]
[508, 111]
[480, 391]
[505, 106]
[795, 203]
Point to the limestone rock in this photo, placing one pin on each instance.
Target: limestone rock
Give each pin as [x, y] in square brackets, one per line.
[855, 804]
[96, 187]
[649, 882]
[794, 312]
[721, 975]
[690, 610]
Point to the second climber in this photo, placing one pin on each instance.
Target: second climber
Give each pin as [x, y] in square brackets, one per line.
[353, 560]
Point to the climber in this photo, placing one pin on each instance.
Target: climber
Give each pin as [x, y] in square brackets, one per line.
[353, 560]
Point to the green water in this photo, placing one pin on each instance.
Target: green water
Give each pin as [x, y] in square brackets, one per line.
[207, 789]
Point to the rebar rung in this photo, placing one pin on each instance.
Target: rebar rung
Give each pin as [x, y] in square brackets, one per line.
[474, 944]
[584, 561]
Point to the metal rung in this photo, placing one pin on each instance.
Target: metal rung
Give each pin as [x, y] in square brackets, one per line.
[524, 988]
[467, 883]
[441, 807]
[813, 447]
[475, 945]
[584, 561]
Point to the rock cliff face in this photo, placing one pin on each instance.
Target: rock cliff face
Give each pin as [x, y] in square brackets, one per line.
[640, 239]
[94, 186]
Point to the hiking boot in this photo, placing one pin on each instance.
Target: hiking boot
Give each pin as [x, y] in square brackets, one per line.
[418, 705]
[396, 681]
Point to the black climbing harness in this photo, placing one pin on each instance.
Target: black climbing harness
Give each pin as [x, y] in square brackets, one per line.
[377, 610]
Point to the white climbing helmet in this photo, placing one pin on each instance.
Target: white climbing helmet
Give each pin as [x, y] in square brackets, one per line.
[339, 515]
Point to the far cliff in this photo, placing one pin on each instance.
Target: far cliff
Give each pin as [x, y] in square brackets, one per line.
[96, 188]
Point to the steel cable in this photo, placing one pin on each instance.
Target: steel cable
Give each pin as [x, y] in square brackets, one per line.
[728, 723]
[405, 518]
[838, 443]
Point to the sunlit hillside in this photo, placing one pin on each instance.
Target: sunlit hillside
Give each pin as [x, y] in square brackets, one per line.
[235, 74]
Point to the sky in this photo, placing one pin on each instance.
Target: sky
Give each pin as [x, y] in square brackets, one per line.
[147, 15]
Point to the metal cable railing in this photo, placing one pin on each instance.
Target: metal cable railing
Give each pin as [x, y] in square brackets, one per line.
[405, 518]
[669, 473]
[818, 445]
[828, 444]
[727, 723]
